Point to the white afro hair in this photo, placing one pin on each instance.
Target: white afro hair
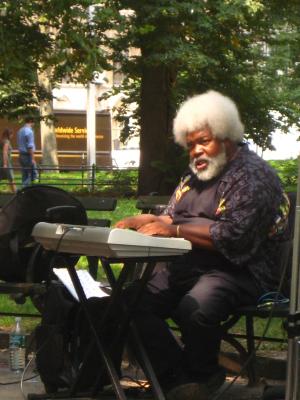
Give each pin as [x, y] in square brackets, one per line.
[210, 109]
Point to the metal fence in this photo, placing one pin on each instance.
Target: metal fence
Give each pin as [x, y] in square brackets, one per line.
[81, 178]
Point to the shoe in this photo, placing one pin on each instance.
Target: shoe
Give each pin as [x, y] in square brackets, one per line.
[188, 391]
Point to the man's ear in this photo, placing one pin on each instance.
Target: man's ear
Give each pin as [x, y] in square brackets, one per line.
[230, 147]
[227, 142]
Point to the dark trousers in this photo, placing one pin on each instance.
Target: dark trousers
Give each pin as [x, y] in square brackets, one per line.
[29, 170]
[198, 305]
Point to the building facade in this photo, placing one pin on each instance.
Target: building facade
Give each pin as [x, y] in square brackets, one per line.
[70, 103]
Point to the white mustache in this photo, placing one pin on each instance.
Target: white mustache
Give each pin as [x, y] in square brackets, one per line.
[199, 159]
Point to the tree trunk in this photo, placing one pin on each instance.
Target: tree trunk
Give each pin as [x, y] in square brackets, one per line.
[156, 129]
[48, 138]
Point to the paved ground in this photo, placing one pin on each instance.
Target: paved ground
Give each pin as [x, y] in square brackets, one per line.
[17, 391]
[10, 388]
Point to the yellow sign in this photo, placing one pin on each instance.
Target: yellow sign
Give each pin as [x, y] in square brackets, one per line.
[75, 132]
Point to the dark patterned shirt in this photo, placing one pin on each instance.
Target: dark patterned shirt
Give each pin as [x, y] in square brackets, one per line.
[250, 212]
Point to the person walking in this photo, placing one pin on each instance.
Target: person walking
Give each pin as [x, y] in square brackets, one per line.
[6, 159]
[26, 147]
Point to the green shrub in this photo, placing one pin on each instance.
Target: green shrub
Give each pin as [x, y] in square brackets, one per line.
[288, 173]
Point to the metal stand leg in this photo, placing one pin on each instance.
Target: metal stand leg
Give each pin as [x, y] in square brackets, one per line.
[145, 364]
[93, 265]
[136, 342]
[103, 352]
[251, 351]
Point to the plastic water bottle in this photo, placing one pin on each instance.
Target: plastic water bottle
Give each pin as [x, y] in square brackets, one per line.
[17, 348]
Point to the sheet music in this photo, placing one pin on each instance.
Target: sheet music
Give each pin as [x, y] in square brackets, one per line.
[90, 286]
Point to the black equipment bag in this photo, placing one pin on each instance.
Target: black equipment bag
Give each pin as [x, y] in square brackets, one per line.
[66, 352]
[18, 216]
[52, 338]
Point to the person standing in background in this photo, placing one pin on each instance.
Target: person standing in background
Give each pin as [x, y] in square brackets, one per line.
[26, 147]
[6, 160]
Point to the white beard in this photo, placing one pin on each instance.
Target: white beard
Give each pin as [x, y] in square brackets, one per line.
[214, 166]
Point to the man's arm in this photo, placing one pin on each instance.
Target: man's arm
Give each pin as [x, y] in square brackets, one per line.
[5, 155]
[197, 234]
[31, 152]
[30, 143]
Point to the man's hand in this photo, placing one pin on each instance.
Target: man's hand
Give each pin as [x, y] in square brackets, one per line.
[158, 228]
[136, 222]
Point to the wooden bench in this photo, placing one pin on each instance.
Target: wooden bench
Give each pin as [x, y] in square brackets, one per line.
[95, 203]
[152, 204]
[89, 202]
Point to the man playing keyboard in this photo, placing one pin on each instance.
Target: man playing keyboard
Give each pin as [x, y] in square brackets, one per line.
[231, 207]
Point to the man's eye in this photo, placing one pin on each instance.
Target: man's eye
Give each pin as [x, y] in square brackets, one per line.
[202, 142]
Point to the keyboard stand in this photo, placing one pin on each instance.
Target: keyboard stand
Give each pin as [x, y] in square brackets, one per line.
[135, 339]
[125, 326]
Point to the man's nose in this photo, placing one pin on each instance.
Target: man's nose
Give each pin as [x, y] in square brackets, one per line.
[198, 149]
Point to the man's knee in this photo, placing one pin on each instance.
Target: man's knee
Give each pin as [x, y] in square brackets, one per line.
[190, 313]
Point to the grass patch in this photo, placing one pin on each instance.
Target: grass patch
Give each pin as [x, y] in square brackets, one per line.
[125, 208]
[119, 183]
[9, 305]
[275, 330]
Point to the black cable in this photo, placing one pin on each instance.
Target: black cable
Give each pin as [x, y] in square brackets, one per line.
[17, 382]
[67, 230]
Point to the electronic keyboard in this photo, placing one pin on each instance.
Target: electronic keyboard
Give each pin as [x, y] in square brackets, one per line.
[106, 242]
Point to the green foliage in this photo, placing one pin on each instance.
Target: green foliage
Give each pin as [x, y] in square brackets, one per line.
[236, 47]
[54, 36]
[288, 173]
[248, 50]
[117, 182]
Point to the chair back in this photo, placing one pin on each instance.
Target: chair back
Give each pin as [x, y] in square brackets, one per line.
[286, 247]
